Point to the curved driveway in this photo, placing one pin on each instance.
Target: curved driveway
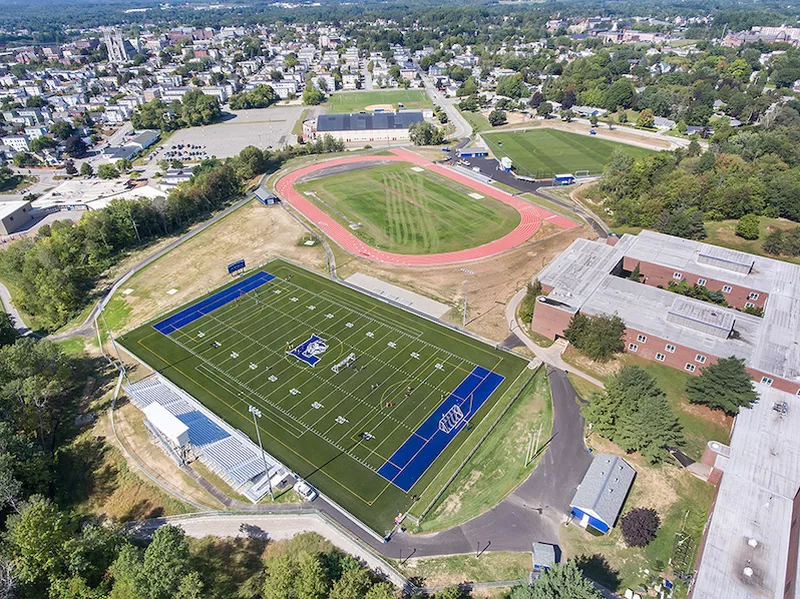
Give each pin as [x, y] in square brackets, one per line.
[532, 512]
[531, 215]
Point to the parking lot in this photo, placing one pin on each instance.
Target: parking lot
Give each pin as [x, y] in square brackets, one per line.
[266, 128]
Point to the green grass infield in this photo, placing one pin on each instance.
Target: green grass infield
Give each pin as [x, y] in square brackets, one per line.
[382, 373]
[405, 209]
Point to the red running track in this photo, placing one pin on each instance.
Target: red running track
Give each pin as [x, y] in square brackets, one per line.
[531, 215]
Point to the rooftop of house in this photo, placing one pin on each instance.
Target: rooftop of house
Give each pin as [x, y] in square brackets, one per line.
[604, 487]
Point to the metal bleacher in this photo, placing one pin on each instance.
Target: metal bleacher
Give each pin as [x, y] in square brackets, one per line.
[226, 451]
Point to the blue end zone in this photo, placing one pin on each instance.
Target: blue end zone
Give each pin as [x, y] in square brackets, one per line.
[219, 299]
[414, 457]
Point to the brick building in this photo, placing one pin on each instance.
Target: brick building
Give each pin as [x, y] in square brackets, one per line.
[592, 278]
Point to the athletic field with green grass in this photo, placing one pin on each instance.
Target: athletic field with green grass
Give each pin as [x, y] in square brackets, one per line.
[371, 404]
[543, 153]
[346, 102]
[409, 210]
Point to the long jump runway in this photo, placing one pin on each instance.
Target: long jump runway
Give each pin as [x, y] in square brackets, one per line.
[531, 215]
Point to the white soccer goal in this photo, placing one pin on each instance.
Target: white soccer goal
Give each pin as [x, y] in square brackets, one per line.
[451, 419]
[344, 363]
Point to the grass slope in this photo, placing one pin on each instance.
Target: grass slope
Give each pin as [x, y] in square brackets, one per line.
[410, 212]
[314, 419]
[542, 153]
[498, 467]
[345, 102]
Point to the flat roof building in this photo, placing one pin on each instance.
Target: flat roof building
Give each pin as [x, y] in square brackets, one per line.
[593, 278]
[363, 127]
[751, 544]
[14, 216]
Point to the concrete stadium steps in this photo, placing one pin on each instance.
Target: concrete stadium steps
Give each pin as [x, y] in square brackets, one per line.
[223, 449]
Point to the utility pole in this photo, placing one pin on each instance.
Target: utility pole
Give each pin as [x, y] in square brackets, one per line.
[257, 413]
[114, 345]
[468, 273]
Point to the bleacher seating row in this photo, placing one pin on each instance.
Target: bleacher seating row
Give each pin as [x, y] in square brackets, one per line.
[228, 452]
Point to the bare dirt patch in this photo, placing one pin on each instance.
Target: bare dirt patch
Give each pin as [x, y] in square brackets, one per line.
[379, 107]
[495, 280]
[133, 496]
[255, 232]
[453, 503]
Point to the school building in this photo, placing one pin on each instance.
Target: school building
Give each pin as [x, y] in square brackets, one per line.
[593, 278]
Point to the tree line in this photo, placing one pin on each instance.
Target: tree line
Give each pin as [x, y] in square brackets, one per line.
[749, 171]
[54, 273]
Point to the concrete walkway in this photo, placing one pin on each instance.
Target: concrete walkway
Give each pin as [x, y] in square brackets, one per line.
[549, 355]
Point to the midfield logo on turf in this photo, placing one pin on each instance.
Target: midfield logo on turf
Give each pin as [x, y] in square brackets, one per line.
[310, 350]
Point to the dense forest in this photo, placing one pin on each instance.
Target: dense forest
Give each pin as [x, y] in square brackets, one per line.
[744, 172]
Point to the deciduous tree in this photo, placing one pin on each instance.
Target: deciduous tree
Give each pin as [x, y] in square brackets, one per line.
[747, 227]
[639, 526]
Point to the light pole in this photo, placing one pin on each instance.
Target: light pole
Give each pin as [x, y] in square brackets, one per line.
[467, 272]
[113, 344]
[257, 413]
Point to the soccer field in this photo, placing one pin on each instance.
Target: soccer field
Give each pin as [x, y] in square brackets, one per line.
[366, 401]
[346, 102]
[543, 153]
[408, 210]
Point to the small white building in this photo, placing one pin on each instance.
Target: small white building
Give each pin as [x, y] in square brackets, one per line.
[350, 81]
[168, 425]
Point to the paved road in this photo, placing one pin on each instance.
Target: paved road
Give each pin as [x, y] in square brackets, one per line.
[533, 512]
[489, 167]
[368, 84]
[463, 130]
[13, 315]
[274, 527]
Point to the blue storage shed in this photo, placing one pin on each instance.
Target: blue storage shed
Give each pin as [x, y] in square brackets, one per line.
[565, 179]
[602, 492]
[472, 153]
[266, 197]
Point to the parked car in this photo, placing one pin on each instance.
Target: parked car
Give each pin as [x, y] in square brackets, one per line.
[592, 132]
[305, 490]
